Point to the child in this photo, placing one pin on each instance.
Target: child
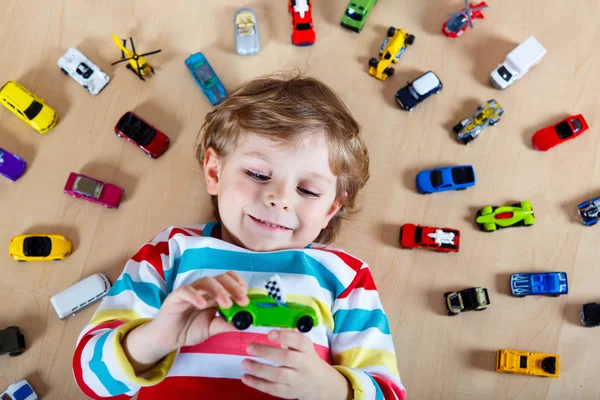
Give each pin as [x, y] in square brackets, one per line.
[283, 161]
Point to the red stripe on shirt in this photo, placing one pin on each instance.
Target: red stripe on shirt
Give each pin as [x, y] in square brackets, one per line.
[389, 389]
[350, 261]
[363, 279]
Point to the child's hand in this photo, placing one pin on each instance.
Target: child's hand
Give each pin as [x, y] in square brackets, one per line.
[302, 374]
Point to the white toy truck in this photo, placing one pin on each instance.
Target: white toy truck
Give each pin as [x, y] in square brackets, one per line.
[517, 63]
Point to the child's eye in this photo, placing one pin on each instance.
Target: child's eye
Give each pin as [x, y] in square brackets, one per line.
[257, 176]
[307, 193]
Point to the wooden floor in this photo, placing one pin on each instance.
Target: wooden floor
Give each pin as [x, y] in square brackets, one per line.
[439, 357]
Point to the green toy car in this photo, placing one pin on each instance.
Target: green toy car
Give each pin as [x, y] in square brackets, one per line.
[356, 14]
[263, 310]
[491, 218]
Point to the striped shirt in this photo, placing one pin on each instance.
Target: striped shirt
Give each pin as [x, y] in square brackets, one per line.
[352, 335]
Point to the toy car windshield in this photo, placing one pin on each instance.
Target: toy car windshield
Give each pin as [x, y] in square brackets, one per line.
[413, 92]
[564, 130]
[303, 27]
[84, 70]
[33, 110]
[354, 15]
[503, 72]
[456, 23]
[37, 246]
[454, 301]
[436, 178]
[88, 187]
[204, 74]
[418, 234]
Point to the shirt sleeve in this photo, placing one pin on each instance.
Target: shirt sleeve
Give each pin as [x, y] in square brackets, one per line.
[361, 346]
[100, 367]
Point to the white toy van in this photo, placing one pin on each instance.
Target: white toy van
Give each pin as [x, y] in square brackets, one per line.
[80, 295]
[517, 63]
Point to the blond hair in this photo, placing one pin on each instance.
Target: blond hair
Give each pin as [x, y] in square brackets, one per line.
[286, 109]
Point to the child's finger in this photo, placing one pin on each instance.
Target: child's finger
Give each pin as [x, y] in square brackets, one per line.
[237, 278]
[189, 295]
[237, 291]
[291, 339]
[209, 285]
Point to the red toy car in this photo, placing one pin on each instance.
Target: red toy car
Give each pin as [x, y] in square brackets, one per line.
[303, 33]
[142, 134]
[567, 129]
[84, 187]
[445, 240]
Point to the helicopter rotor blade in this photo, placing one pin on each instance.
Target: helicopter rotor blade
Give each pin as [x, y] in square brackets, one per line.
[470, 20]
[124, 45]
[456, 14]
[139, 71]
[121, 60]
[479, 8]
[150, 53]
[132, 45]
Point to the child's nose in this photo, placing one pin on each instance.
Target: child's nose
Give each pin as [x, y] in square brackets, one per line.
[277, 202]
[277, 196]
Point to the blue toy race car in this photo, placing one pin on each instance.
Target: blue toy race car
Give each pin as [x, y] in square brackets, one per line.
[589, 211]
[549, 283]
[443, 179]
[206, 78]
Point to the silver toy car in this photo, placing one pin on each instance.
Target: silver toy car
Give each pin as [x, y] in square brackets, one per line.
[246, 32]
[83, 71]
[488, 113]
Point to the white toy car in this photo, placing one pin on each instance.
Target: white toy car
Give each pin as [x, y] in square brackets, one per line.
[85, 72]
[518, 62]
[20, 390]
[82, 294]
[246, 32]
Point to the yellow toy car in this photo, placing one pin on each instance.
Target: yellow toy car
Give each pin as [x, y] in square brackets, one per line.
[392, 48]
[28, 107]
[39, 247]
[527, 363]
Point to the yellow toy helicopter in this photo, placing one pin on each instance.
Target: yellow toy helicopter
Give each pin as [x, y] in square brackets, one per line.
[137, 63]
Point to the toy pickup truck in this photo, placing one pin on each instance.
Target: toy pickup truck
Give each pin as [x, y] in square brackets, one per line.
[466, 300]
[518, 62]
[443, 179]
[528, 363]
[548, 283]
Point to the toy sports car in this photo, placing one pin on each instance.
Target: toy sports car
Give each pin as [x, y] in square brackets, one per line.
[11, 165]
[476, 299]
[246, 32]
[28, 107]
[444, 240]
[567, 129]
[418, 90]
[303, 32]
[356, 14]
[549, 283]
[590, 314]
[444, 179]
[83, 71]
[392, 48]
[206, 78]
[142, 134]
[488, 113]
[20, 390]
[83, 187]
[12, 342]
[491, 218]
[39, 247]
[589, 211]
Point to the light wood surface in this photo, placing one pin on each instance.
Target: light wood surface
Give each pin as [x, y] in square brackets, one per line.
[439, 357]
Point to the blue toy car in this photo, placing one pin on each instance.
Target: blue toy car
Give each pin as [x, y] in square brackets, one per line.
[418, 90]
[206, 78]
[528, 284]
[589, 211]
[443, 179]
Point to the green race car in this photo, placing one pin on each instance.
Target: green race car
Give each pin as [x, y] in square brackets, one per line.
[491, 218]
[356, 14]
[263, 310]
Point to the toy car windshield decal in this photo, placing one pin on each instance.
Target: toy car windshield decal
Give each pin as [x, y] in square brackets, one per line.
[274, 287]
[442, 237]
[301, 7]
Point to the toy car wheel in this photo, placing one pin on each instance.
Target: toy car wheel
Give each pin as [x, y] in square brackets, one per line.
[446, 294]
[118, 134]
[21, 260]
[525, 205]
[242, 320]
[373, 62]
[554, 295]
[150, 155]
[451, 314]
[15, 354]
[487, 210]
[467, 140]
[489, 227]
[460, 189]
[305, 324]
[391, 31]
[457, 128]
[64, 71]
[410, 39]
[481, 309]
[389, 71]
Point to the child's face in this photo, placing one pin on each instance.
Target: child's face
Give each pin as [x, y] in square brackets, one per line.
[273, 197]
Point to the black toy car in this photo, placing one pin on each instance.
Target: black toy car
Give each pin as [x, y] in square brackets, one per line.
[590, 314]
[467, 300]
[12, 341]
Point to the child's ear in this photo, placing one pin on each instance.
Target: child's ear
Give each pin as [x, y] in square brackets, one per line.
[211, 170]
[335, 207]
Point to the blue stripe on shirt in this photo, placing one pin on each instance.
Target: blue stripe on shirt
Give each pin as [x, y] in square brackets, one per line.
[358, 320]
[147, 292]
[99, 368]
[378, 392]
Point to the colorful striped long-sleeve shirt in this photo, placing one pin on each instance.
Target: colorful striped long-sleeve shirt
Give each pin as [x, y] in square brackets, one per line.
[353, 334]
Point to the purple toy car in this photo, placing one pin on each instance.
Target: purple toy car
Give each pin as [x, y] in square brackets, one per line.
[11, 165]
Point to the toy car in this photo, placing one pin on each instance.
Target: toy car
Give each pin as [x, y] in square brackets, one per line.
[246, 32]
[567, 129]
[142, 134]
[20, 390]
[206, 78]
[83, 71]
[443, 179]
[444, 240]
[488, 113]
[392, 48]
[12, 342]
[590, 314]
[459, 21]
[11, 165]
[356, 14]
[589, 211]
[80, 295]
[303, 32]
[517, 63]
[467, 300]
[527, 363]
[28, 107]
[491, 218]
[418, 90]
[40, 247]
[528, 284]
[83, 187]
